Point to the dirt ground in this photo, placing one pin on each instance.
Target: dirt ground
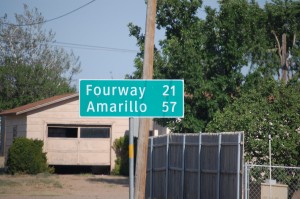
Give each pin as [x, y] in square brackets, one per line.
[63, 186]
[54, 186]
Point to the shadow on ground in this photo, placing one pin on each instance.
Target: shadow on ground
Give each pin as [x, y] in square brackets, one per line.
[115, 180]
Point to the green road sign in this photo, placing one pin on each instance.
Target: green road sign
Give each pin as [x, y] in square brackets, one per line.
[131, 98]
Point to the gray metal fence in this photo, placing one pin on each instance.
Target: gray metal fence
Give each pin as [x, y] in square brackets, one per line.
[195, 166]
[284, 183]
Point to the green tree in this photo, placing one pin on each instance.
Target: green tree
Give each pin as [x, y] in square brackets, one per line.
[30, 67]
[208, 54]
[265, 105]
[278, 52]
[177, 58]
[24, 84]
[270, 108]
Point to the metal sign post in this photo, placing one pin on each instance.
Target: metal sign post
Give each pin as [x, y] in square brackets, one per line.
[131, 158]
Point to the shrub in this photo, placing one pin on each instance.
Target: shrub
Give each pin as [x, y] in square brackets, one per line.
[120, 146]
[26, 156]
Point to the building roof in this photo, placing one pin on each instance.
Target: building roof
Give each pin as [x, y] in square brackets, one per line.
[39, 104]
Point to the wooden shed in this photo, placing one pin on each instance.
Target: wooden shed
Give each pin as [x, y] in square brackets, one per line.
[68, 138]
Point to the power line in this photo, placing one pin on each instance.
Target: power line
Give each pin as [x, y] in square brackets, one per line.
[91, 47]
[48, 20]
[82, 46]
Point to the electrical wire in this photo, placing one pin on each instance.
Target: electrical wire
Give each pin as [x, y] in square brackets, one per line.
[48, 20]
[90, 47]
[83, 46]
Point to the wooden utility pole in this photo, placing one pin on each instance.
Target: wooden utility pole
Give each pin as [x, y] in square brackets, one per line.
[144, 123]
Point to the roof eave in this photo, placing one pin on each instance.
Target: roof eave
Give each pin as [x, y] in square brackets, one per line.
[42, 105]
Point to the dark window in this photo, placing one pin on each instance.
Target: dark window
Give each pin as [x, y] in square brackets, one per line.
[62, 132]
[94, 132]
[15, 131]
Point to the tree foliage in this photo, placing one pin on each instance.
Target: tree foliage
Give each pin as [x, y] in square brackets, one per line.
[202, 52]
[266, 105]
[271, 108]
[120, 147]
[24, 84]
[283, 28]
[240, 65]
[31, 66]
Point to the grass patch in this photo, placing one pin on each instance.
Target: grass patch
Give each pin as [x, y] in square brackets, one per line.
[87, 174]
[6, 183]
[39, 181]
[43, 181]
[58, 185]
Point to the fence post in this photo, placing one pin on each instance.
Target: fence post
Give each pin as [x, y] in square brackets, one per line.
[199, 164]
[182, 167]
[219, 166]
[238, 166]
[246, 181]
[167, 165]
[151, 166]
[131, 158]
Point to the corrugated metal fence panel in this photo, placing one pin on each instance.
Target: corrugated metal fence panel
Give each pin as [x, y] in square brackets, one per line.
[229, 167]
[149, 169]
[175, 167]
[209, 166]
[159, 166]
[192, 165]
[196, 166]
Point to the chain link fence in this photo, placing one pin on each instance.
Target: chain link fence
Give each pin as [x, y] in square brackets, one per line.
[265, 182]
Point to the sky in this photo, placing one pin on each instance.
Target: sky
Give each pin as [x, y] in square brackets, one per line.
[102, 23]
